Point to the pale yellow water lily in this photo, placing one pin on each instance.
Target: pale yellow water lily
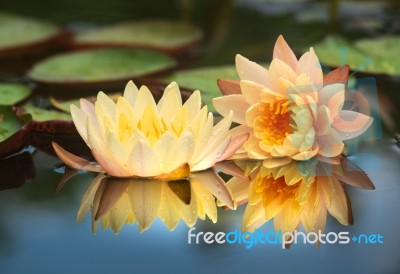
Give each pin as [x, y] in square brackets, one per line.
[298, 193]
[115, 202]
[289, 109]
[135, 137]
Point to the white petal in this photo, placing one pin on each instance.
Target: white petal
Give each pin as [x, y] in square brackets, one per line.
[235, 103]
[80, 119]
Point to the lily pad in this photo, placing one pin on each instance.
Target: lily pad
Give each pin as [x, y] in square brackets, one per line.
[102, 65]
[10, 171]
[205, 80]
[336, 51]
[369, 56]
[11, 93]
[169, 36]
[19, 33]
[14, 131]
[50, 121]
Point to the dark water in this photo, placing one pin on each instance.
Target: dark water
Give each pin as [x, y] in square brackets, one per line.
[38, 229]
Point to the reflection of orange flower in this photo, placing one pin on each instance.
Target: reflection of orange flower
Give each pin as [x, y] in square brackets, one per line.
[289, 109]
[294, 194]
[115, 202]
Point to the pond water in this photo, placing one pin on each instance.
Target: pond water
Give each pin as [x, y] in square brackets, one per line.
[38, 228]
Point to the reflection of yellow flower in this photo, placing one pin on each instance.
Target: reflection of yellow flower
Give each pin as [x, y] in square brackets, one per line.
[289, 110]
[137, 137]
[296, 193]
[116, 202]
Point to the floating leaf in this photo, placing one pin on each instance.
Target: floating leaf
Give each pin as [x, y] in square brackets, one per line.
[50, 121]
[169, 36]
[367, 55]
[336, 51]
[14, 131]
[103, 65]
[19, 33]
[11, 93]
[205, 80]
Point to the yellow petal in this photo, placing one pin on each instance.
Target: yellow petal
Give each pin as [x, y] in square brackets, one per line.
[144, 99]
[143, 161]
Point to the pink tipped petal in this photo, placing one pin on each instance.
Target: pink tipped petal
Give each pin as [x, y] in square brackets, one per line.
[353, 175]
[236, 103]
[351, 124]
[323, 121]
[248, 70]
[235, 144]
[229, 87]
[74, 161]
[309, 63]
[284, 52]
[229, 167]
[109, 166]
[339, 75]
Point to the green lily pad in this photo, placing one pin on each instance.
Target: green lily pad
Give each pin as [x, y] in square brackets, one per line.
[370, 56]
[335, 51]
[103, 65]
[14, 131]
[205, 80]
[17, 31]
[385, 50]
[156, 34]
[50, 121]
[11, 93]
[42, 115]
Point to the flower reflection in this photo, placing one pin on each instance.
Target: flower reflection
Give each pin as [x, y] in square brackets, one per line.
[298, 193]
[115, 202]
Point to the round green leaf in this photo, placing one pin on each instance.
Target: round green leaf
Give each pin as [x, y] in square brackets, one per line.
[100, 65]
[11, 93]
[42, 115]
[205, 80]
[151, 33]
[17, 31]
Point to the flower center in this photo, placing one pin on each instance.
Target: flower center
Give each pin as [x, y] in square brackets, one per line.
[273, 124]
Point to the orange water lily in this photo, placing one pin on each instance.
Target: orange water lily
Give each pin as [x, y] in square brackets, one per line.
[135, 137]
[290, 110]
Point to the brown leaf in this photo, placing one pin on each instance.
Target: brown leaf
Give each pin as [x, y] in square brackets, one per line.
[229, 87]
